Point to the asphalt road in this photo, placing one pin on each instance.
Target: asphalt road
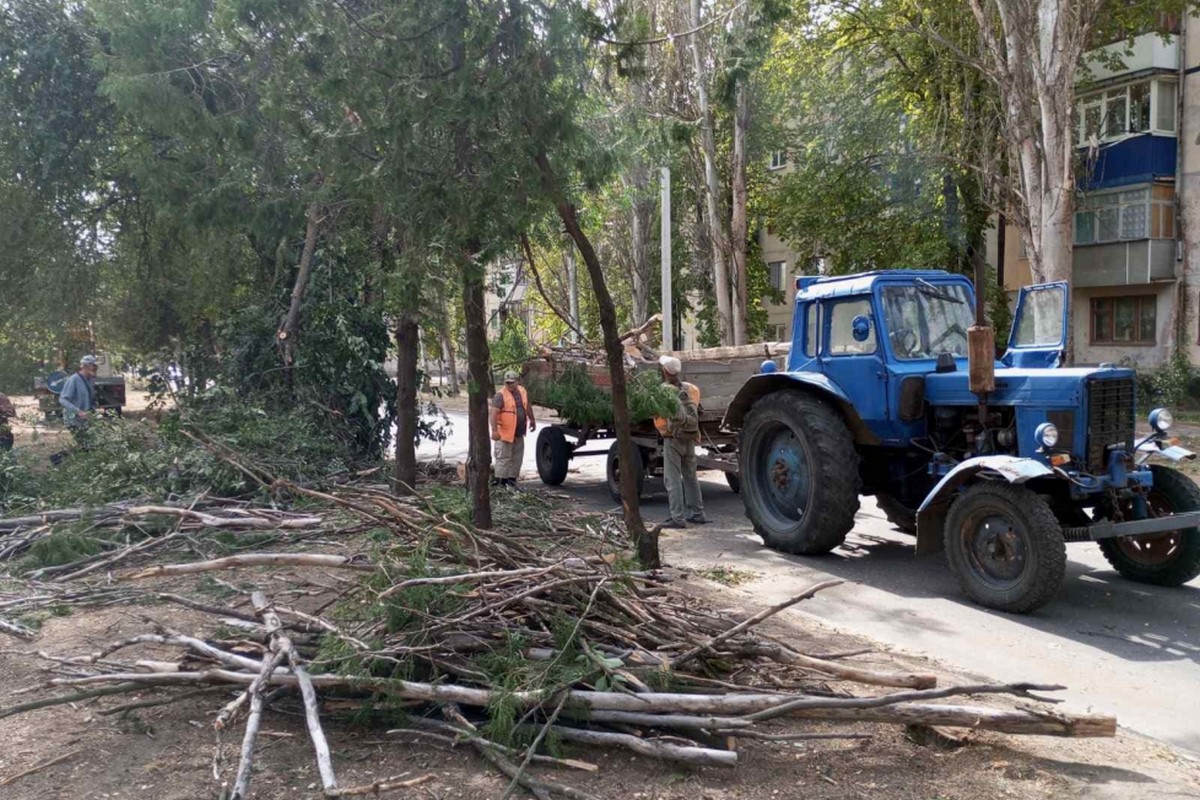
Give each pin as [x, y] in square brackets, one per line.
[1120, 647]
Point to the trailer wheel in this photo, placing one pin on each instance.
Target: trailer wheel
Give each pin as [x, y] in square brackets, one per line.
[900, 515]
[553, 454]
[614, 471]
[799, 473]
[1005, 546]
[1164, 559]
[735, 482]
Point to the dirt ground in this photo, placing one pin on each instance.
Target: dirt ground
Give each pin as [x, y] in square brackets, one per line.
[167, 752]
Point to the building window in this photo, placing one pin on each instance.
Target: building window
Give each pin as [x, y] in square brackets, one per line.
[1116, 113]
[1124, 320]
[1113, 217]
[775, 273]
[781, 333]
[778, 159]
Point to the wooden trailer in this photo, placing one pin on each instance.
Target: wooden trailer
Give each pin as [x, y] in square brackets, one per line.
[719, 372]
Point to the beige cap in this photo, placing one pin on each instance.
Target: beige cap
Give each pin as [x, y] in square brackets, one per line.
[670, 364]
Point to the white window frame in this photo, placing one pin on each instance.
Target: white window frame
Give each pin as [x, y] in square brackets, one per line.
[1100, 99]
[779, 159]
[782, 282]
[1093, 202]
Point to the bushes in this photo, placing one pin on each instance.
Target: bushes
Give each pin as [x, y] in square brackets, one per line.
[1169, 386]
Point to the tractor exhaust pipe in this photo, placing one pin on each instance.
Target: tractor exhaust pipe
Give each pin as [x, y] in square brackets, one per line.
[981, 340]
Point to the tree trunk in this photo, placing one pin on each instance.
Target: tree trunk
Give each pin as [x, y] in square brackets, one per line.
[407, 343]
[479, 456]
[708, 149]
[738, 225]
[572, 289]
[646, 541]
[286, 336]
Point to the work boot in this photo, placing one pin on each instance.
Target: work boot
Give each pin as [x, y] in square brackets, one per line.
[674, 523]
[698, 519]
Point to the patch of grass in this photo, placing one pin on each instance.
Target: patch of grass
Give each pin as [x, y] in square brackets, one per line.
[727, 576]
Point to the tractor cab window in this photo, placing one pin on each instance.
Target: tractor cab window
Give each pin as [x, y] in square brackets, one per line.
[812, 333]
[925, 320]
[842, 323]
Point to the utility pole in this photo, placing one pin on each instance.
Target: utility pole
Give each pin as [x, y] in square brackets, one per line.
[572, 289]
[668, 329]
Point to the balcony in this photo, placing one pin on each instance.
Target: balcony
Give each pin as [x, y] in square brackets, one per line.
[1149, 53]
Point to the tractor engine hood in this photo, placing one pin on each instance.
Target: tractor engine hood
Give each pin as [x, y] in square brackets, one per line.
[1020, 386]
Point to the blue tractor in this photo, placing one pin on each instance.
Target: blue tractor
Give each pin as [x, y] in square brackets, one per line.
[892, 389]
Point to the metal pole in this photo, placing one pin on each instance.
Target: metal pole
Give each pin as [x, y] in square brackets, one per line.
[572, 289]
[668, 330]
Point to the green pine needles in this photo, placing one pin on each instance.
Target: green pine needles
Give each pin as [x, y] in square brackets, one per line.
[577, 399]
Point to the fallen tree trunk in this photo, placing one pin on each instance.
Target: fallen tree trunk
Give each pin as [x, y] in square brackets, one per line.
[250, 560]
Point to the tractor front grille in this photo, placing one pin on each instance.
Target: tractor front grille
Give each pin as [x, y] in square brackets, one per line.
[1110, 419]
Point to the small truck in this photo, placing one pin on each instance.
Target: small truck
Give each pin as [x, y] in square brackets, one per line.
[892, 389]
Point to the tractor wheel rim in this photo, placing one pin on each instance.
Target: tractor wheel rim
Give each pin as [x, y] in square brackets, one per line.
[1153, 549]
[997, 552]
[787, 473]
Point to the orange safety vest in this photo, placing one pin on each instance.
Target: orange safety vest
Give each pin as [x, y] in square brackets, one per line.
[663, 425]
[506, 420]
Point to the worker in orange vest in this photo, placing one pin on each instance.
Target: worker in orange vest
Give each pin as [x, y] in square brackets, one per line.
[680, 435]
[510, 415]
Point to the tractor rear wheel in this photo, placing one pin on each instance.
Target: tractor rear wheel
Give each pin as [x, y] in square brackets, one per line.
[1171, 558]
[799, 473]
[1005, 546]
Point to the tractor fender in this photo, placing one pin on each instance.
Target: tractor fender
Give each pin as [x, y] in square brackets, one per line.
[931, 516]
[816, 383]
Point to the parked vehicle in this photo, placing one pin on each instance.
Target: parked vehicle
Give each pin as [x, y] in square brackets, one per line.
[110, 389]
[999, 463]
[719, 372]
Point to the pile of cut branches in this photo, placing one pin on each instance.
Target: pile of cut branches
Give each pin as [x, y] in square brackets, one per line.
[503, 641]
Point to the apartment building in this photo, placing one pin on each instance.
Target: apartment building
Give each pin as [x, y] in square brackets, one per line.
[1129, 261]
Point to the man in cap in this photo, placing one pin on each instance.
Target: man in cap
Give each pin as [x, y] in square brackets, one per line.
[510, 415]
[680, 435]
[78, 398]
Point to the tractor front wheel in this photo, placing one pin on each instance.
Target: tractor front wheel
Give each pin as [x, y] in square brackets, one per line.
[1005, 546]
[1171, 558]
[799, 473]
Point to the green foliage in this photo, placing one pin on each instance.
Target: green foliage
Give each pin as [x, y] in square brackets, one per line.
[60, 547]
[1169, 385]
[136, 459]
[576, 398]
[513, 348]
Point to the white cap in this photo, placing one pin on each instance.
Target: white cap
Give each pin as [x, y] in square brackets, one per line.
[670, 363]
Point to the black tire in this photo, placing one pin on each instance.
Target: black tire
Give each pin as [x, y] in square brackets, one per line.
[799, 473]
[1028, 570]
[614, 475]
[552, 455]
[900, 515]
[735, 482]
[1163, 559]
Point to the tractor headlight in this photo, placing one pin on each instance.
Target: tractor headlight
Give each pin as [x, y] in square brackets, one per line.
[1046, 434]
[1161, 419]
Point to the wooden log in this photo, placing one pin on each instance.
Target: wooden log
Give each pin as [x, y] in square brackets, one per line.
[696, 756]
[250, 560]
[213, 521]
[785, 655]
[1018, 721]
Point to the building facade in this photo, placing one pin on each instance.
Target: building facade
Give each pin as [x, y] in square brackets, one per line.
[1130, 264]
